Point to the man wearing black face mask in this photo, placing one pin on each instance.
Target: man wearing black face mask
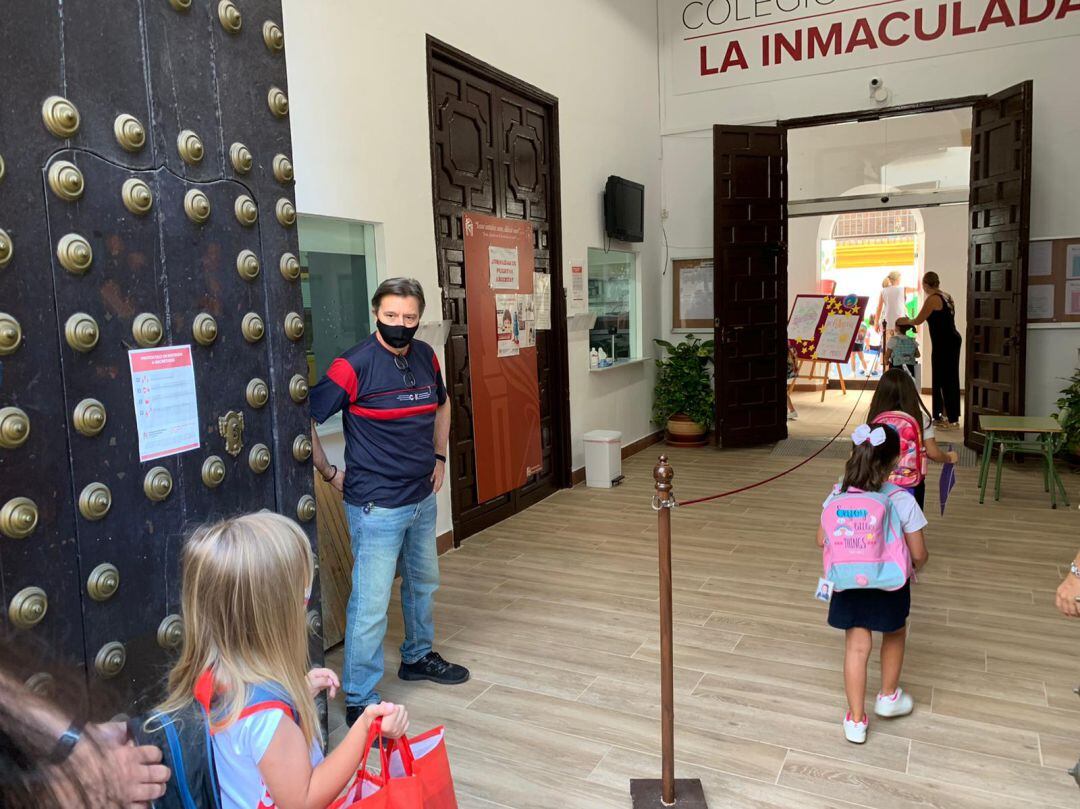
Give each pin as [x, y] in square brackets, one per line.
[396, 417]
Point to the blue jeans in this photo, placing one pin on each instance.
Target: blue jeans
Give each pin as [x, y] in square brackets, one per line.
[386, 541]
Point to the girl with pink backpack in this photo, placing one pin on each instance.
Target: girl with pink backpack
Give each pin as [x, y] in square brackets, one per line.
[897, 403]
[872, 543]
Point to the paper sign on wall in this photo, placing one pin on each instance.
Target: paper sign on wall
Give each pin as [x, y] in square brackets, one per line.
[1040, 259]
[166, 409]
[1040, 302]
[503, 267]
[1072, 297]
[1072, 261]
[577, 285]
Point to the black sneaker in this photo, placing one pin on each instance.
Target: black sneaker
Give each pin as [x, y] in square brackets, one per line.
[433, 667]
[352, 714]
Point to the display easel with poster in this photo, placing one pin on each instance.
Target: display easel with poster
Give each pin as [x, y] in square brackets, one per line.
[823, 329]
[499, 272]
[692, 305]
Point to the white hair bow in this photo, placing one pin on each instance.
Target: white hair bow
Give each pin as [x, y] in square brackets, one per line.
[864, 433]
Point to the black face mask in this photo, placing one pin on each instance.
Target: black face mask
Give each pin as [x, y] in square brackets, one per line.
[396, 336]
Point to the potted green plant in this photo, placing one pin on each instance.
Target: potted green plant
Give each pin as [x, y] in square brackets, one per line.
[683, 397]
[1068, 414]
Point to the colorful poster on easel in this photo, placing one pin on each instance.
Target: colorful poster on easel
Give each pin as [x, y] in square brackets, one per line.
[825, 327]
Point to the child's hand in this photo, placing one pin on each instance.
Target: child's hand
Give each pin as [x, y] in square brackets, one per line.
[395, 719]
[953, 456]
[323, 680]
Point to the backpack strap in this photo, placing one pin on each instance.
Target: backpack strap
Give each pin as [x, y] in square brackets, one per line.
[265, 698]
[260, 698]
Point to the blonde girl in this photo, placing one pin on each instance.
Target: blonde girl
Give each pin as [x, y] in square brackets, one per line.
[246, 584]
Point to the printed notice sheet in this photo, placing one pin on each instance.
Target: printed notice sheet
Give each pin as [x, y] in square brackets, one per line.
[1039, 254]
[508, 325]
[542, 299]
[696, 292]
[1040, 303]
[577, 286]
[503, 267]
[166, 410]
[1072, 297]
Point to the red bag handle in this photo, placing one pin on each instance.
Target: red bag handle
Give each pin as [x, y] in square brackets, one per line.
[386, 748]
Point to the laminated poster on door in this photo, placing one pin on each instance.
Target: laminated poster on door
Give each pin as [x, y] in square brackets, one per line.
[508, 325]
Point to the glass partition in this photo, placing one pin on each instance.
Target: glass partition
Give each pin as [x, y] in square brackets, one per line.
[337, 276]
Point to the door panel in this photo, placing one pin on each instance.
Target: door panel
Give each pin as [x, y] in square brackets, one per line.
[125, 280]
[171, 70]
[493, 151]
[997, 277]
[750, 244]
[30, 375]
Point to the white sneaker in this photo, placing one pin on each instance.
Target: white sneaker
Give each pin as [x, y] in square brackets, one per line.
[855, 732]
[793, 415]
[891, 705]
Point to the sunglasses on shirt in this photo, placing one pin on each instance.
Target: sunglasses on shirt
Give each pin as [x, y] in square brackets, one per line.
[402, 365]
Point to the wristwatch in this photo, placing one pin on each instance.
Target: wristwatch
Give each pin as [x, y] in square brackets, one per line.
[66, 743]
[1075, 569]
[442, 458]
[332, 474]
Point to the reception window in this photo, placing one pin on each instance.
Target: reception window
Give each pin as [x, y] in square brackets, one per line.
[614, 297]
[338, 277]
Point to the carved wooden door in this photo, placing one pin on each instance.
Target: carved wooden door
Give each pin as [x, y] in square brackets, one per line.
[494, 151]
[997, 256]
[148, 199]
[750, 249]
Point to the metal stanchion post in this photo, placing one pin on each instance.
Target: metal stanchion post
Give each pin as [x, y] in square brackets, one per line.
[649, 793]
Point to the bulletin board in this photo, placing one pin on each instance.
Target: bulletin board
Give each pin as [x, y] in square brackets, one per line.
[1053, 293]
[692, 304]
[825, 327]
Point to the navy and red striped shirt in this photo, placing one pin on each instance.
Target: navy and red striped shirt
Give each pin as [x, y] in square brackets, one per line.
[389, 427]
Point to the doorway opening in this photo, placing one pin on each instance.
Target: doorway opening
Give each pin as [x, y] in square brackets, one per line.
[848, 237]
[757, 206]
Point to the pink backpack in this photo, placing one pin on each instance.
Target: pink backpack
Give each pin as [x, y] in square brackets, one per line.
[911, 468]
[865, 547]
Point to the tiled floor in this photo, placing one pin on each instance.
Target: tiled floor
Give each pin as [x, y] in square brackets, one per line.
[555, 612]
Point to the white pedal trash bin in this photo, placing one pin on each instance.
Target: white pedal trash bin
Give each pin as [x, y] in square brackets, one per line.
[603, 458]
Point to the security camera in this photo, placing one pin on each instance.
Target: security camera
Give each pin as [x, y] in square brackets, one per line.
[875, 83]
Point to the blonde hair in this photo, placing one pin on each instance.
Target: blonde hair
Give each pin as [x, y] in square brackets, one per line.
[894, 275]
[885, 283]
[243, 604]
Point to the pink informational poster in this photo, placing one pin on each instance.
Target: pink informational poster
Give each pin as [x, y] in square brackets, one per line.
[166, 409]
[499, 273]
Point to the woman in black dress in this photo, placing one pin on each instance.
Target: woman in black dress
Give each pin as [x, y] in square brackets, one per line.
[939, 313]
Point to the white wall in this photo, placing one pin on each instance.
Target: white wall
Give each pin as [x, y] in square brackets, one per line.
[1051, 64]
[359, 114]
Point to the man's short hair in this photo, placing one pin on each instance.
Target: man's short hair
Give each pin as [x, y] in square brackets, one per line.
[401, 287]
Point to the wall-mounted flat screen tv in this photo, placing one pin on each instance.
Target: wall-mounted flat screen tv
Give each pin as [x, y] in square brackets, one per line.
[624, 209]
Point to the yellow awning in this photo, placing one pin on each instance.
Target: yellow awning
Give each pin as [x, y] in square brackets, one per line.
[853, 254]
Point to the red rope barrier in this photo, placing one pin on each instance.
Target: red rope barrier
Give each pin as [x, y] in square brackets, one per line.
[801, 463]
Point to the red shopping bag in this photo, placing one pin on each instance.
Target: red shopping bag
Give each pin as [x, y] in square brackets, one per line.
[414, 774]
